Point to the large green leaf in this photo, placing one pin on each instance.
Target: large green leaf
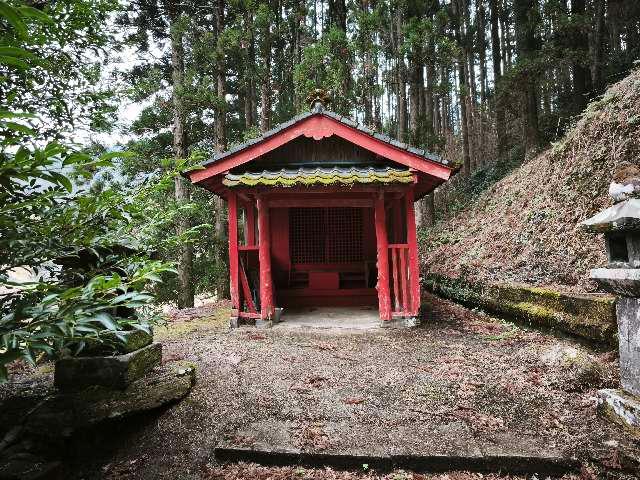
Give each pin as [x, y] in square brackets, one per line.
[13, 17]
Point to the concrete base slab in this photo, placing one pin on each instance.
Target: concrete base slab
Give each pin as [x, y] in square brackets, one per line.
[358, 318]
[409, 322]
[427, 463]
[264, 323]
[620, 406]
[420, 448]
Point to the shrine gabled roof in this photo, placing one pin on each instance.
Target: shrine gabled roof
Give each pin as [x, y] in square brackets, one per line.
[318, 124]
[345, 120]
[319, 176]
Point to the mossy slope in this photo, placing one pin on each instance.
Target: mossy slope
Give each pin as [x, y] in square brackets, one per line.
[524, 229]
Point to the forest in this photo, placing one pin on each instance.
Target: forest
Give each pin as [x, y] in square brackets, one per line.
[433, 257]
[484, 83]
[476, 81]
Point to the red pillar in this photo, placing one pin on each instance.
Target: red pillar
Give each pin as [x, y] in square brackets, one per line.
[250, 227]
[414, 268]
[264, 256]
[382, 242]
[232, 204]
[397, 221]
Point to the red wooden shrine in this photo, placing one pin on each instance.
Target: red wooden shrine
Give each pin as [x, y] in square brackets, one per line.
[321, 213]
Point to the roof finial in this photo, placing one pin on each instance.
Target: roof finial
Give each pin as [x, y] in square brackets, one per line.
[318, 98]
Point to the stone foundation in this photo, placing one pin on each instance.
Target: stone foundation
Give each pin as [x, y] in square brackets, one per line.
[115, 372]
[589, 316]
[409, 322]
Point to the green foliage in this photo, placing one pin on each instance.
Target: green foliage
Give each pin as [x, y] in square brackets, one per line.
[86, 275]
[327, 65]
[469, 189]
[48, 71]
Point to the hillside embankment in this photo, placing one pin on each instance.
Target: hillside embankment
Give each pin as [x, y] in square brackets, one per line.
[523, 229]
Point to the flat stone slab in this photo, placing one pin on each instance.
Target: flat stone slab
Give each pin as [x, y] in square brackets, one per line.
[356, 318]
[116, 371]
[427, 463]
[442, 448]
[59, 415]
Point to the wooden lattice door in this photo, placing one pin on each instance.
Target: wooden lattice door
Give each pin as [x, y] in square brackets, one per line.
[326, 235]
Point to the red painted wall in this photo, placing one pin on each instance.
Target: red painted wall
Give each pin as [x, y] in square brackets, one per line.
[281, 265]
[280, 246]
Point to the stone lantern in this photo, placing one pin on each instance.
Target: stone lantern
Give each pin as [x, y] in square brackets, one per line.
[620, 225]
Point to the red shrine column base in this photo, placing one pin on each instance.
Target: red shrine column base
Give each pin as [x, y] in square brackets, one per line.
[414, 261]
[232, 204]
[382, 242]
[264, 257]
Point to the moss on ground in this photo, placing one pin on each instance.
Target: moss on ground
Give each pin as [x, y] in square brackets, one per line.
[218, 320]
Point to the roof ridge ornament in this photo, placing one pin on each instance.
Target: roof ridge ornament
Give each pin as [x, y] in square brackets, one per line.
[318, 99]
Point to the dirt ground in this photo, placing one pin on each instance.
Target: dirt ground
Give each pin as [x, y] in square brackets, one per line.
[462, 382]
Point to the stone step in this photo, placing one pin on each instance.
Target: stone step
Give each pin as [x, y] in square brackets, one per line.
[506, 464]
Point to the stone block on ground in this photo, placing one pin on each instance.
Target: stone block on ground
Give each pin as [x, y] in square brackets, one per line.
[133, 340]
[28, 467]
[589, 316]
[621, 407]
[116, 371]
[59, 415]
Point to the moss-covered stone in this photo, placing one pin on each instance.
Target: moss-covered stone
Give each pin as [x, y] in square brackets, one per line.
[133, 340]
[63, 413]
[588, 316]
[112, 372]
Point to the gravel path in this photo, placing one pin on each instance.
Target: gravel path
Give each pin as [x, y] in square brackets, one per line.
[462, 383]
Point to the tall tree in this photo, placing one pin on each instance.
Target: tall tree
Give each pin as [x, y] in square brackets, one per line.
[401, 74]
[185, 264]
[526, 18]
[338, 14]
[482, 49]
[496, 58]
[264, 23]
[596, 42]
[579, 68]
[221, 109]
[458, 21]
